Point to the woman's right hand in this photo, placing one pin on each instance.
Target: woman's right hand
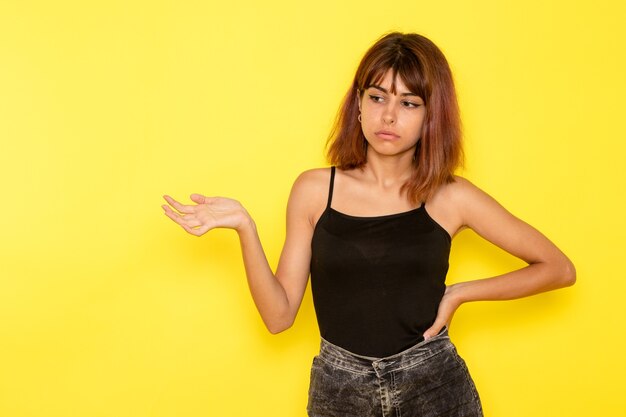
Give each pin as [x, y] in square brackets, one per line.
[208, 213]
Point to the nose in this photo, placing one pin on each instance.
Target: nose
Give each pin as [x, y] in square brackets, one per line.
[389, 115]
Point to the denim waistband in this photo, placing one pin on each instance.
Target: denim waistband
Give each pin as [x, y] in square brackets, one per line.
[410, 357]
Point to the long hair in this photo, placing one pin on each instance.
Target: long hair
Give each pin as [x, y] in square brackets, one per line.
[424, 70]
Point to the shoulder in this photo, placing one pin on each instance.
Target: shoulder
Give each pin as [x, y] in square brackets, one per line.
[310, 192]
[313, 180]
[459, 203]
[460, 192]
[474, 207]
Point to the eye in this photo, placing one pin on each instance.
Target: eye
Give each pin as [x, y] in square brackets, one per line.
[376, 99]
[410, 104]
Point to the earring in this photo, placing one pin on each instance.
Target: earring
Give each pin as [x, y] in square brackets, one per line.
[359, 118]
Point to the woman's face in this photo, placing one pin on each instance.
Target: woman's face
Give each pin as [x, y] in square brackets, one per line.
[392, 123]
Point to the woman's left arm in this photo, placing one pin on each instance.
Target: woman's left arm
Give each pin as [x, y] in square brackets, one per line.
[548, 268]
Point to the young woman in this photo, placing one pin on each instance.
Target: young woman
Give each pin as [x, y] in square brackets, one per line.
[374, 233]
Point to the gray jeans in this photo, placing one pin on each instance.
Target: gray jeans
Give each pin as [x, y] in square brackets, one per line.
[428, 380]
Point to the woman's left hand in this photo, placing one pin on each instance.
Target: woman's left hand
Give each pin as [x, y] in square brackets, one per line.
[447, 307]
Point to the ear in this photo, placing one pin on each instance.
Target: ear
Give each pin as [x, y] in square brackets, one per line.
[358, 98]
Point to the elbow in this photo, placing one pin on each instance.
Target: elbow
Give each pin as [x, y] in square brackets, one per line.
[568, 274]
[278, 326]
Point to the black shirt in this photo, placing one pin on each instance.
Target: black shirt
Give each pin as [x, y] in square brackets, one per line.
[377, 281]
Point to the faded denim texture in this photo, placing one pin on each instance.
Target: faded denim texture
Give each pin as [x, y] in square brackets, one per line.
[428, 380]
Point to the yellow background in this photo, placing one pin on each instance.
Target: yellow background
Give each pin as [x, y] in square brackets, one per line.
[109, 309]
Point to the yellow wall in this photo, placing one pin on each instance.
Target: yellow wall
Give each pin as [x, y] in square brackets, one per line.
[108, 309]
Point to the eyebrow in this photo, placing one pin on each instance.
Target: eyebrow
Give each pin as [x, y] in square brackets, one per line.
[384, 90]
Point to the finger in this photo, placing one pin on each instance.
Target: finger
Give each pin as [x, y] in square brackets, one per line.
[198, 198]
[172, 214]
[188, 220]
[197, 231]
[434, 329]
[178, 219]
[178, 206]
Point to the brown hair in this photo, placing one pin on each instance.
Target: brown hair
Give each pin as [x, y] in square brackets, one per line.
[425, 72]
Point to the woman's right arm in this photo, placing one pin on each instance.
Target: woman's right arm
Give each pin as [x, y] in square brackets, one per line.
[277, 296]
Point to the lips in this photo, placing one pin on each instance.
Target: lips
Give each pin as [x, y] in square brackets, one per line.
[387, 134]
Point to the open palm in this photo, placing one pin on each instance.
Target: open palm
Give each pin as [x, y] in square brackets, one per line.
[208, 213]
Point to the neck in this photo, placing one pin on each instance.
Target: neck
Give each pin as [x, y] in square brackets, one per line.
[389, 171]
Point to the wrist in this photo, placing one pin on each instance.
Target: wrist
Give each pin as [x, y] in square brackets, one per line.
[246, 223]
[456, 293]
